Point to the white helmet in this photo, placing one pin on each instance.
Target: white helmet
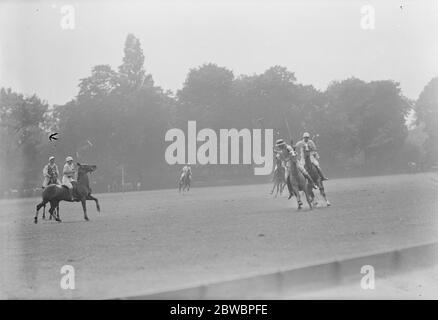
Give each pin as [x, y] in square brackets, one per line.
[69, 159]
[306, 135]
[51, 158]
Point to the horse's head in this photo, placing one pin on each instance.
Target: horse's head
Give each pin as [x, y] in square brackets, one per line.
[293, 156]
[85, 168]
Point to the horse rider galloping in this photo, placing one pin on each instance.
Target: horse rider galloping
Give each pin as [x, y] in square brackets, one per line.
[68, 176]
[51, 173]
[186, 171]
[306, 142]
[286, 152]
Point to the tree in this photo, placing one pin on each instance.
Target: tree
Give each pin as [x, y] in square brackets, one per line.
[206, 96]
[426, 109]
[21, 132]
[365, 119]
[273, 99]
[123, 115]
[103, 81]
[131, 71]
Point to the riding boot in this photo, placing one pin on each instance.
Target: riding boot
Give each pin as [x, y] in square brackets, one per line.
[320, 173]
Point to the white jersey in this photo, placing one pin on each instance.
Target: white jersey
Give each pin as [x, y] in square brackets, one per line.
[68, 175]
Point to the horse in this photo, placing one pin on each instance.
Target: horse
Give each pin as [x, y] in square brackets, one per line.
[298, 182]
[53, 179]
[314, 173]
[53, 193]
[184, 182]
[413, 168]
[279, 179]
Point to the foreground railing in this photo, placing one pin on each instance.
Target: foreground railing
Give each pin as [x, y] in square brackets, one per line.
[286, 283]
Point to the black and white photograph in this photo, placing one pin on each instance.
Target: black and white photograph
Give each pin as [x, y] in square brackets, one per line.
[196, 150]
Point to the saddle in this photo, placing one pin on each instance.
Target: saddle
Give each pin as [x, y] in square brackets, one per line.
[74, 183]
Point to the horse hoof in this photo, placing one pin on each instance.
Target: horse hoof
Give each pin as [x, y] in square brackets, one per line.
[35, 220]
[328, 204]
[59, 220]
[86, 219]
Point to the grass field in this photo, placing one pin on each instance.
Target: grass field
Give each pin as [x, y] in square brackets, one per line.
[143, 242]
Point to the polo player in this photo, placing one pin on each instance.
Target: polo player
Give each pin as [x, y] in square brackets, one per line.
[50, 172]
[307, 143]
[186, 170]
[68, 176]
[286, 152]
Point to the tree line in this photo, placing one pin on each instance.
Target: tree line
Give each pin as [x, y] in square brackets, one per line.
[119, 118]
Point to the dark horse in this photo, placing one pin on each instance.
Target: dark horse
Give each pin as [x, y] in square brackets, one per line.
[184, 182]
[297, 182]
[53, 193]
[314, 173]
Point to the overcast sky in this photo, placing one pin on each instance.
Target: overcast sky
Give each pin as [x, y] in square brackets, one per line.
[320, 41]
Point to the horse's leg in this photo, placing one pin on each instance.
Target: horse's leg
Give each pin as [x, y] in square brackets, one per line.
[90, 197]
[54, 210]
[309, 198]
[38, 207]
[296, 191]
[290, 188]
[84, 207]
[282, 187]
[44, 212]
[322, 192]
[52, 207]
[57, 211]
[313, 195]
[273, 188]
[50, 216]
